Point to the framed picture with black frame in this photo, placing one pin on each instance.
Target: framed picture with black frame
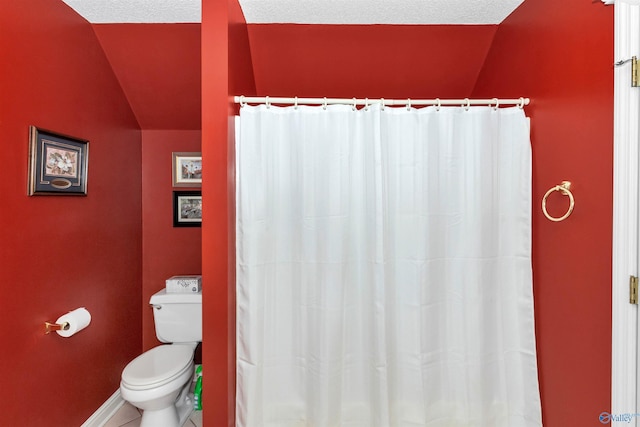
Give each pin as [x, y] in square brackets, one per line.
[58, 164]
[187, 208]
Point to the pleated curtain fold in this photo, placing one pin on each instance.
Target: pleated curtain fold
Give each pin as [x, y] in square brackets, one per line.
[384, 268]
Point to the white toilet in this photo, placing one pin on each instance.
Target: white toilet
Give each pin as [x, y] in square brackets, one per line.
[158, 381]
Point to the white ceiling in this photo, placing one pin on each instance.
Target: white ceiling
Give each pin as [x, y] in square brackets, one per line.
[417, 12]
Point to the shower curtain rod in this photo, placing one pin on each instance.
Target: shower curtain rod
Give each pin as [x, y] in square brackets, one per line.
[268, 100]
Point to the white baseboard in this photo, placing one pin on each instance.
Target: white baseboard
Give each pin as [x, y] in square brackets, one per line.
[106, 411]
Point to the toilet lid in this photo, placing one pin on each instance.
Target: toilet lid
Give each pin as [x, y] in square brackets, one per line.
[158, 365]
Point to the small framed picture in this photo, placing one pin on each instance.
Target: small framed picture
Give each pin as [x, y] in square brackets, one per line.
[58, 163]
[187, 208]
[187, 169]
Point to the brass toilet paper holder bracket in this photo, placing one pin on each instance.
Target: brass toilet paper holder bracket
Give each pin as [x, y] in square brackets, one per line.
[50, 327]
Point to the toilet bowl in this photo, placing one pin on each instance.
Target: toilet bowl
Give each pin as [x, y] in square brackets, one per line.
[158, 382]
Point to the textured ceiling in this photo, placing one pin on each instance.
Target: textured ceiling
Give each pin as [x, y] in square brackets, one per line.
[137, 11]
[419, 12]
[423, 12]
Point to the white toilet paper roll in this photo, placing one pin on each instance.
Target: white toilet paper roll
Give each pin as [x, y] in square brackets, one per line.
[78, 319]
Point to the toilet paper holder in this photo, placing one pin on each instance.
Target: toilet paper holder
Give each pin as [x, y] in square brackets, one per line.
[50, 327]
[70, 323]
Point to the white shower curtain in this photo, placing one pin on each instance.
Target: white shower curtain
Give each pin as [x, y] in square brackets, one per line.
[384, 268]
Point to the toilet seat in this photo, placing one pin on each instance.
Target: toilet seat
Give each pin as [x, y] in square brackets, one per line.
[157, 367]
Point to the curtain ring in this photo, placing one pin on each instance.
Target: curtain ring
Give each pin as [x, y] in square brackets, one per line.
[295, 103]
[366, 104]
[242, 101]
[382, 103]
[467, 104]
[521, 103]
[438, 104]
[354, 106]
[324, 104]
[266, 102]
[408, 104]
[495, 108]
[564, 188]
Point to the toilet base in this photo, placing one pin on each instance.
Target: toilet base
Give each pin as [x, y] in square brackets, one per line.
[185, 408]
[173, 416]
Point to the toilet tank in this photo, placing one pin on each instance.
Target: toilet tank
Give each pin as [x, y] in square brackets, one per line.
[177, 316]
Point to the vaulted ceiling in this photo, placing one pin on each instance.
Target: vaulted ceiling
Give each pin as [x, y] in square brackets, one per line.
[154, 47]
[158, 67]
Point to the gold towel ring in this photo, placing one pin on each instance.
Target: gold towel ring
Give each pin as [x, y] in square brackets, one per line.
[564, 188]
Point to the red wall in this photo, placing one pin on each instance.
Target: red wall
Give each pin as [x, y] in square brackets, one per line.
[241, 80]
[68, 252]
[217, 343]
[158, 67]
[560, 54]
[557, 53]
[60, 253]
[381, 61]
[167, 250]
[226, 70]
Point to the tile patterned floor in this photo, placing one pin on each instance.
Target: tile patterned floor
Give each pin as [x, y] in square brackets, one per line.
[129, 416]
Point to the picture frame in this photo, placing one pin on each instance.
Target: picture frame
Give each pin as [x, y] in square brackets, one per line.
[186, 169]
[187, 208]
[58, 164]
